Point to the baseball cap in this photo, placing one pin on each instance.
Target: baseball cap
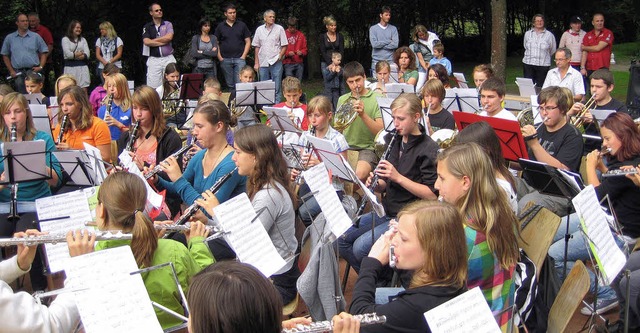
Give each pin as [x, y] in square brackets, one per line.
[575, 19]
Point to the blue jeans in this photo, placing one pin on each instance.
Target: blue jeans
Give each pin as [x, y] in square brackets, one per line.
[273, 72]
[231, 70]
[577, 251]
[353, 251]
[208, 72]
[295, 70]
[309, 208]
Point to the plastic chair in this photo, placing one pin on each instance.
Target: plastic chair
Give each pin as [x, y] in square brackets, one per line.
[569, 298]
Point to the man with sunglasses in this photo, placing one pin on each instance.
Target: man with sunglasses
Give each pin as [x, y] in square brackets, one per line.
[156, 37]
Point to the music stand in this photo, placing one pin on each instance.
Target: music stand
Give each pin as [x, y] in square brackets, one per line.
[76, 164]
[461, 80]
[41, 118]
[508, 131]
[450, 101]
[468, 100]
[24, 161]
[37, 98]
[395, 89]
[191, 86]
[525, 87]
[256, 93]
[385, 109]
[393, 73]
[280, 121]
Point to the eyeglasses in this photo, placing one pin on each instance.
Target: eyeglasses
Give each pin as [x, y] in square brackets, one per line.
[548, 108]
[158, 10]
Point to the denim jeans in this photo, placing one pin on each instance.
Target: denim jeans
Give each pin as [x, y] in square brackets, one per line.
[273, 72]
[295, 70]
[208, 72]
[231, 70]
[577, 251]
[309, 208]
[352, 252]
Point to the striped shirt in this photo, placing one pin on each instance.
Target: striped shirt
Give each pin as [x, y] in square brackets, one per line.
[539, 47]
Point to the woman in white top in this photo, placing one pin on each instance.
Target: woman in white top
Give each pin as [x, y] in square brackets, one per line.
[76, 54]
[108, 48]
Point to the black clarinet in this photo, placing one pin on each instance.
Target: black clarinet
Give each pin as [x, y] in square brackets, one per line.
[108, 105]
[191, 210]
[63, 126]
[374, 179]
[133, 137]
[13, 208]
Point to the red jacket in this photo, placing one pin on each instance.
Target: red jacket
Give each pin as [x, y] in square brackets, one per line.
[297, 42]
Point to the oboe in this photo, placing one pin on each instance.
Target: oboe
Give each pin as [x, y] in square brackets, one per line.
[60, 238]
[13, 208]
[191, 210]
[107, 110]
[327, 326]
[63, 126]
[133, 137]
[374, 179]
[158, 167]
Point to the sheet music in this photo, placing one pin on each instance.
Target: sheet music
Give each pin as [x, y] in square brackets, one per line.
[333, 161]
[96, 161]
[69, 160]
[248, 239]
[29, 162]
[468, 99]
[152, 196]
[264, 93]
[75, 207]
[92, 199]
[525, 86]
[572, 179]
[601, 241]
[467, 313]
[395, 89]
[41, 118]
[376, 206]
[108, 297]
[462, 81]
[318, 180]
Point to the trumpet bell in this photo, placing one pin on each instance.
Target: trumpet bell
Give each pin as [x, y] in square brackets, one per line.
[444, 137]
[345, 115]
[525, 117]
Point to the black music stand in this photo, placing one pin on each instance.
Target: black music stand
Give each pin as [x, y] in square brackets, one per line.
[77, 166]
[508, 131]
[396, 89]
[191, 87]
[280, 121]
[256, 93]
[387, 115]
[23, 161]
[467, 99]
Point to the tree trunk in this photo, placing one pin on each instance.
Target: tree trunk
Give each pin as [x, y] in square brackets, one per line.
[313, 51]
[499, 37]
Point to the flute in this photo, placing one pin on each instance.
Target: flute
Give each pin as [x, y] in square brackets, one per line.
[60, 238]
[158, 167]
[215, 231]
[327, 326]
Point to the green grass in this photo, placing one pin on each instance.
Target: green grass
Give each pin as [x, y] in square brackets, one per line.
[623, 55]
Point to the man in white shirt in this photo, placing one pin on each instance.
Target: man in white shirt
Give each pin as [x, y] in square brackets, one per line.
[270, 43]
[492, 93]
[564, 75]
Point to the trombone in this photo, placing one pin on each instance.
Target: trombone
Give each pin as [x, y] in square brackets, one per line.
[578, 119]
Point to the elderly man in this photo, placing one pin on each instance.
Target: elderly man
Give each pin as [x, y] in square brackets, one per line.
[564, 75]
[596, 47]
[234, 39]
[156, 37]
[270, 43]
[23, 51]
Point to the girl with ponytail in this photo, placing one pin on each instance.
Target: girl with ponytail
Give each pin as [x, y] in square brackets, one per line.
[121, 201]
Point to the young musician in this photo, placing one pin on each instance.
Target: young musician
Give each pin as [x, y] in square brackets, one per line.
[19, 312]
[259, 158]
[33, 82]
[481, 73]
[169, 93]
[211, 122]
[121, 201]
[119, 118]
[438, 117]
[406, 61]
[360, 134]
[100, 91]
[440, 271]
[81, 126]
[466, 179]
[230, 296]
[247, 118]
[408, 174]
[622, 137]
[297, 110]
[492, 93]
[383, 72]
[320, 112]
[438, 71]
[64, 81]
[557, 143]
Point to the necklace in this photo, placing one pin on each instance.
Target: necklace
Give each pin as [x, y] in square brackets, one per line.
[215, 163]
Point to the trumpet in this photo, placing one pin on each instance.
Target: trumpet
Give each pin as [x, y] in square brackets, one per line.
[158, 167]
[133, 137]
[107, 103]
[346, 113]
[61, 238]
[578, 119]
[327, 326]
[63, 126]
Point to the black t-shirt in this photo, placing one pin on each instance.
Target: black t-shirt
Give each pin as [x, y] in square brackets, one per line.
[442, 119]
[591, 129]
[231, 38]
[565, 145]
[624, 196]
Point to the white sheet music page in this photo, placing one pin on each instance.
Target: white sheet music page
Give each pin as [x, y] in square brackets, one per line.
[318, 180]
[467, 313]
[74, 207]
[601, 241]
[248, 239]
[125, 160]
[377, 207]
[108, 297]
[95, 159]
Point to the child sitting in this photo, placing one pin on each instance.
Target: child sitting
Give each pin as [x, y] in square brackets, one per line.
[437, 117]
[245, 114]
[33, 82]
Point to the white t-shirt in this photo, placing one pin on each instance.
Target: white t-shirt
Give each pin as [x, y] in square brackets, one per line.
[511, 195]
[504, 114]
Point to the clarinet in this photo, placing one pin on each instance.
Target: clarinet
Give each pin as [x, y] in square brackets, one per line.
[191, 210]
[307, 150]
[63, 126]
[13, 208]
[158, 167]
[374, 180]
[327, 326]
[133, 137]
[107, 110]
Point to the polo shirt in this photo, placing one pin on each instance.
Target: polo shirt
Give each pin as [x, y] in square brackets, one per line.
[150, 31]
[231, 38]
[602, 58]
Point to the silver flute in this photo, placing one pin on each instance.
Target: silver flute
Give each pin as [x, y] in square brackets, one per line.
[60, 238]
[215, 232]
[327, 326]
[158, 167]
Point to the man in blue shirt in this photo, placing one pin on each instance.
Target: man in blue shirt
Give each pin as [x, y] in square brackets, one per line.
[23, 51]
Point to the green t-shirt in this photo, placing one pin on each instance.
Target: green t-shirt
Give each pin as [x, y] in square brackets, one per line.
[409, 75]
[357, 134]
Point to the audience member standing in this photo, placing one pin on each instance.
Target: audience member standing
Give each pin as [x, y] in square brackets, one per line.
[384, 39]
[539, 47]
[45, 33]
[75, 50]
[270, 42]
[596, 47]
[234, 39]
[296, 50]
[572, 39]
[108, 48]
[423, 42]
[156, 37]
[23, 51]
[204, 48]
[331, 43]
